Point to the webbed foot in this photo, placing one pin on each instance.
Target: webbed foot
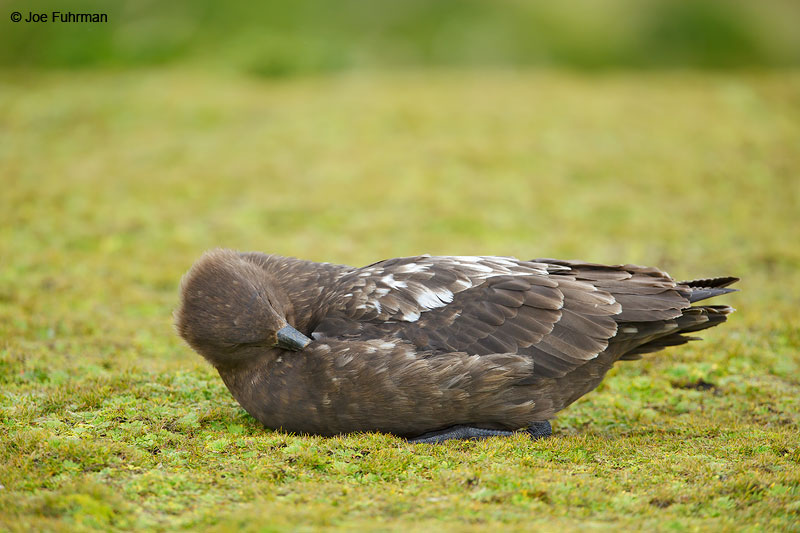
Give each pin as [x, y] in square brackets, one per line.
[540, 430]
[458, 432]
[537, 430]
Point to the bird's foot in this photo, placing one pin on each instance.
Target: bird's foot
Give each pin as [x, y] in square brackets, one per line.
[540, 430]
[458, 432]
[537, 430]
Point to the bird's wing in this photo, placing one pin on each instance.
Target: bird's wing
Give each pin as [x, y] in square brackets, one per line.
[645, 293]
[558, 313]
[402, 289]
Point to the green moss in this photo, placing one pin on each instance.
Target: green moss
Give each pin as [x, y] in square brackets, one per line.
[114, 183]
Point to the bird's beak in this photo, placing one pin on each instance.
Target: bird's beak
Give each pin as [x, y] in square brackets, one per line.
[291, 339]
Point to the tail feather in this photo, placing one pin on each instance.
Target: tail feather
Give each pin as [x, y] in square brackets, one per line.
[703, 293]
[659, 344]
[702, 289]
[713, 314]
[708, 283]
[693, 319]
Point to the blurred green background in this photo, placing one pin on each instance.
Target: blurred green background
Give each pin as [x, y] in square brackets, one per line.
[310, 36]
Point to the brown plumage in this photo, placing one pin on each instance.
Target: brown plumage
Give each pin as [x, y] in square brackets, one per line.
[419, 344]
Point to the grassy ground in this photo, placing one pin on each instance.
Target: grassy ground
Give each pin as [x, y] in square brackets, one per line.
[112, 184]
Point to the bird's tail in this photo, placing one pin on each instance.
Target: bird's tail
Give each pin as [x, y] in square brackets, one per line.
[695, 318]
[700, 289]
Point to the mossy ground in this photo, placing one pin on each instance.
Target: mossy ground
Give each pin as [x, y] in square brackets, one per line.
[112, 184]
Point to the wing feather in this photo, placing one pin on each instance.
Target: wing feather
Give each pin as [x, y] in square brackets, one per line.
[559, 313]
[478, 305]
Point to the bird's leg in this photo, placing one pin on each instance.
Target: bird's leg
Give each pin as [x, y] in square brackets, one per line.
[537, 430]
[458, 432]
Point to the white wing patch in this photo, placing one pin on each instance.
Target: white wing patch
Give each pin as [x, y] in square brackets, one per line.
[405, 291]
[411, 268]
[393, 283]
[462, 285]
[411, 316]
[483, 267]
[431, 298]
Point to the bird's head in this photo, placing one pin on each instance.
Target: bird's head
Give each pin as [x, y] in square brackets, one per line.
[231, 310]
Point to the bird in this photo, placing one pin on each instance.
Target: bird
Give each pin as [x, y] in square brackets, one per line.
[428, 348]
